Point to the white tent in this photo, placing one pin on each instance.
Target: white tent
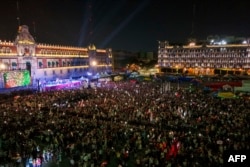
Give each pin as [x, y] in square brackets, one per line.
[227, 87]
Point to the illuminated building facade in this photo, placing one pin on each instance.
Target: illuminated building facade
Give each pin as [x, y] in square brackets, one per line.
[205, 59]
[49, 62]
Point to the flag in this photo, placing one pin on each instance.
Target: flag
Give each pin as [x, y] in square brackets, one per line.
[173, 151]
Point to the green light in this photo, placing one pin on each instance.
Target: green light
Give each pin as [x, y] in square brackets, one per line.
[16, 78]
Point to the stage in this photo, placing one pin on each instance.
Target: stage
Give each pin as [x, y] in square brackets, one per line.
[60, 86]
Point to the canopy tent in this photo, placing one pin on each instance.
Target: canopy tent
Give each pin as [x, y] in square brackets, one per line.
[228, 95]
[227, 87]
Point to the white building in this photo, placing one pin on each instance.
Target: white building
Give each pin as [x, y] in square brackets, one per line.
[205, 58]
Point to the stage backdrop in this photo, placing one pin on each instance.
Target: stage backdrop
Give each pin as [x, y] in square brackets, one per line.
[16, 78]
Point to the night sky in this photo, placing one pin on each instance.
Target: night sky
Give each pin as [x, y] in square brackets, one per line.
[133, 25]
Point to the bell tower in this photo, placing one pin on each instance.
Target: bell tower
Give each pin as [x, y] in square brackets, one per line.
[26, 50]
[24, 42]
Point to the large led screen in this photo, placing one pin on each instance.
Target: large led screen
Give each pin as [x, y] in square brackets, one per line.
[16, 78]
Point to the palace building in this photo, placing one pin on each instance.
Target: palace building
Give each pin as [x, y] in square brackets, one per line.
[209, 58]
[50, 62]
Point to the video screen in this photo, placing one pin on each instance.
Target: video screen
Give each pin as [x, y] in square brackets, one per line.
[16, 78]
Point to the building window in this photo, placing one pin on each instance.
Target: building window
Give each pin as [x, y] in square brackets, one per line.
[61, 71]
[7, 50]
[54, 72]
[14, 65]
[45, 73]
[4, 49]
[40, 64]
[68, 70]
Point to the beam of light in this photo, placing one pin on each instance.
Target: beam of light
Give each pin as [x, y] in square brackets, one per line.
[193, 20]
[18, 14]
[83, 30]
[108, 16]
[125, 22]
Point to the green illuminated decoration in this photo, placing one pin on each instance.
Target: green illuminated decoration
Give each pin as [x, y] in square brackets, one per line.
[16, 78]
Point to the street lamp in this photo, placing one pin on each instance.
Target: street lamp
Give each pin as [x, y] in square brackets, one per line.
[94, 63]
[2, 67]
[177, 69]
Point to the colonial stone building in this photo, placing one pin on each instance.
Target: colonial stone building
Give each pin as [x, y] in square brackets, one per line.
[207, 58]
[49, 62]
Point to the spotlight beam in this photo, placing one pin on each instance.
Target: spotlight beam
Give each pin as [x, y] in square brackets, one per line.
[123, 24]
[108, 16]
[83, 30]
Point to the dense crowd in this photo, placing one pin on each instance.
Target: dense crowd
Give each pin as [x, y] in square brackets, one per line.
[122, 123]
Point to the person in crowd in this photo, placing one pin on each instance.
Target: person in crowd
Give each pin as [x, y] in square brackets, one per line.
[122, 123]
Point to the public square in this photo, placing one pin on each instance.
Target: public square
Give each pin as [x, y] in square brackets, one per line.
[125, 123]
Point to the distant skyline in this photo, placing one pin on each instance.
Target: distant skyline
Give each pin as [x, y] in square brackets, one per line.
[132, 25]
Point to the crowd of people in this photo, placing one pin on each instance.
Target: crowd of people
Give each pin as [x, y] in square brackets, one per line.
[122, 124]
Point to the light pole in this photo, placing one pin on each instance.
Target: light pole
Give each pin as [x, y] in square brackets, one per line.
[38, 85]
[2, 68]
[177, 69]
[93, 67]
[93, 63]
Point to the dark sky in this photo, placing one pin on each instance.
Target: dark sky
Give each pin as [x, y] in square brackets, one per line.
[133, 25]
